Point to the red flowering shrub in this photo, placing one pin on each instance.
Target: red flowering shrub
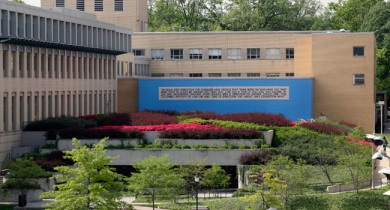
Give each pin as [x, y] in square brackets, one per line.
[201, 114]
[98, 133]
[115, 119]
[89, 117]
[257, 157]
[211, 133]
[151, 118]
[348, 124]
[323, 128]
[361, 142]
[48, 164]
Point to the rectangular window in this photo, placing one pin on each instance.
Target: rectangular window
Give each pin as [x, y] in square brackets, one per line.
[272, 74]
[234, 74]
[289, 53]
[358, 79]
[234, 53]
[139, 52]
[273, 53]
[158, 54]
[98, 5]
[176, 54]
[13, 64]
[195, 74]
[5, 112]
[253, 53]
[196, 54]
[289, 74]
[215, 75]
[253, 74]
[21, 64]
[358, 51]
[176, 74]
[80, 5]
[60, 3]
[157, 74]
[215, 53]
[118, 5]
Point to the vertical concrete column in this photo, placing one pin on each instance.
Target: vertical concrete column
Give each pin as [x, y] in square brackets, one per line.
[17, 112]
[2, 112]
[8, 111]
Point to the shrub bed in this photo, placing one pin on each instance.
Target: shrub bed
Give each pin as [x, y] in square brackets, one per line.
[57, 123]
[152, 118]
[220, 133]
[323, 128]
[257, 157]
[98, 133]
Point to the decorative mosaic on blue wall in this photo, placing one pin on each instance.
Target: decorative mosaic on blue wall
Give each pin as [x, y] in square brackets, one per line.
[292, 97]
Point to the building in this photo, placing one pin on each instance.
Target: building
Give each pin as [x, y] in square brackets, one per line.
[61, 61]
[55, 62]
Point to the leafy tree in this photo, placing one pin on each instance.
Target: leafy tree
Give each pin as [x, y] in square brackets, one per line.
[23, 175]
[18, 1]
[90, 183]
[155, 175]
[215, 177]
[190, 170]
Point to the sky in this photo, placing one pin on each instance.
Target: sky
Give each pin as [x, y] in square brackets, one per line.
[38, 2]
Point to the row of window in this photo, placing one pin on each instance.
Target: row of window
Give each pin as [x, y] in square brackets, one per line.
[15, 24]
[20, 62]
[221, 75]
[22, 107]
[216, 53]
[98, 5]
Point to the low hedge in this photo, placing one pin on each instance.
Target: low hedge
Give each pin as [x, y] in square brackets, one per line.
[82, 133]
[57, 123]
[210, 134]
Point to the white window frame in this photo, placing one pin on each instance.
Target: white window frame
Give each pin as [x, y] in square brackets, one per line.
[358, 79]
[196, 54]
[215, 53]
[157, 54]
[234, 53]
[176, 54]
[273, 53]
[253, 53]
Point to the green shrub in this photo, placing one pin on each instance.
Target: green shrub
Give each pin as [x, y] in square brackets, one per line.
[139, 146]
[129, 146]
[200, 146]
[49, 146]
[213, 147]
[167, 146]
[115, 146]
[176, 146]
[243, 146]
[186, 146]
[57, 123]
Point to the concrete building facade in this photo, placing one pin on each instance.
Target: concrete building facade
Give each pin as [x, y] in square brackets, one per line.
[53, 63]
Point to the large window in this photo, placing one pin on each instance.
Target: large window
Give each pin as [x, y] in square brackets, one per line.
[176, 75]
[358, 51]
[196, 54]
[358, 79]
[98, 5]
[157, 74]
[234, 74]
[118, 5]
[80, 5]
[272, 74]
[176, 54]
[273, 53]
[234, 53]
[215, 75]
[139, 52]
[253, 53]
[60, 3]
[158, 54]
[289, 53]
[215, 53]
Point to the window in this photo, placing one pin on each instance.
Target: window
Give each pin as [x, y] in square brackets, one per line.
[272, 74]
[253, 53]
[80, 5]
[98, 5]
[253, 74]
[273, 53]
[358, 79]
[139, 52]
[5, 61]
[196, 54]
[118, 5]
[157, 74]
[289, 74]
[195, 74]
[158, 54]
[60, 3]
[234, 74]
[289, 53]
[215, 53]
[358, 51]
[234, 53]
[215, 75]
[176, 54]
[176, 74]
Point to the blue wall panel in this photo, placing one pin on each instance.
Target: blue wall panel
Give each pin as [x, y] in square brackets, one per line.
[298, 106]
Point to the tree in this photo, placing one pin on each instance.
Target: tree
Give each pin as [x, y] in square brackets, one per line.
[190, 170]
[154, 175]
[90, 183]
[18, 1]
[23, 175]
[215, 177]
